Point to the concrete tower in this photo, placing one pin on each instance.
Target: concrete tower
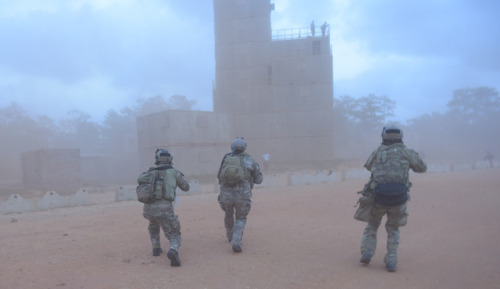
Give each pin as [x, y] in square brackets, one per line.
[277, 91]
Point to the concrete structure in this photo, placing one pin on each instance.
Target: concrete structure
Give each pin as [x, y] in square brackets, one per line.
[16, 204]
[95, 169]
[81, 198]
[52, 200]
[275, 91]
[279, 93]
[198, 139]
[125, 193]
[52, 169]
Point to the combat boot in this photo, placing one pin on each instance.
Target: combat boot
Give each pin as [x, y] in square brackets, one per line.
[366, 257]
[236, 248]
[157, 251]
[391, 266]
[174, 258]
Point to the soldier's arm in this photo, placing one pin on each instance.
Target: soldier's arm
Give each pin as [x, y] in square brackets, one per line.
[417, 164]
[256, 173]
[370, 160]
[182, 183]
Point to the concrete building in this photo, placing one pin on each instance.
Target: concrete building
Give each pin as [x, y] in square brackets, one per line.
[275, 89]
[198, 139]
[278, 91]
[52, 169]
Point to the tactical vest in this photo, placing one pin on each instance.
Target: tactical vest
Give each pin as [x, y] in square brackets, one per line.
[390, 166]
[165, 185]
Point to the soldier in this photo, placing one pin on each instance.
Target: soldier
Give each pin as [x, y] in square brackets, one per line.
[160, 212]
[389, 184]
[323, 29]
[237, 174]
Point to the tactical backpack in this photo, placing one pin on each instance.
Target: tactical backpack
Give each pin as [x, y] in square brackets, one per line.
[152, 185]
[232, 171]
[390, 174]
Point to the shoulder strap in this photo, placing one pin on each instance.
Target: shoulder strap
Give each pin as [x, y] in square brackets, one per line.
[222, 162]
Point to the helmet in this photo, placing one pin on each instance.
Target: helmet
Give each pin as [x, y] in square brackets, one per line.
[392, 133]
[238, 145]
[162, 156]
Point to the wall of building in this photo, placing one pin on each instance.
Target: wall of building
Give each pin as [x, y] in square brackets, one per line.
[197, 139]
[279, 93]
[52, 169]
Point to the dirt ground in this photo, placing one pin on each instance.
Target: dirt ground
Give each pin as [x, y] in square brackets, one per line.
[296, 237]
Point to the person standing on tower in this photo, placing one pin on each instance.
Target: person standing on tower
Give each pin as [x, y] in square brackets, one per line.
[323, 29]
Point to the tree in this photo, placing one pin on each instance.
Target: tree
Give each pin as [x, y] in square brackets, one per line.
[467, 130]
[80, 132]
[21, 133]
[358, 121]
[159, 103]
[178, 101]
[369, 111]
[119, 131]
[475, 105]
[119, 128]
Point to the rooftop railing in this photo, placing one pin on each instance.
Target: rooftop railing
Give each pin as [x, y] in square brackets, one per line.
[298, 33]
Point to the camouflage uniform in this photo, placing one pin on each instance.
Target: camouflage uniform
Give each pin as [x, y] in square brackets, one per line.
[235, 200]
[161, 213]
[396, 215]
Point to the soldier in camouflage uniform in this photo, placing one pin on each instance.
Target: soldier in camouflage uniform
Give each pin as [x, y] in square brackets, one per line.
[389, 166]
[235, 199]
[160, 213]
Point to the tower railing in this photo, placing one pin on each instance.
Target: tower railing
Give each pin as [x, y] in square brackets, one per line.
[298, 33]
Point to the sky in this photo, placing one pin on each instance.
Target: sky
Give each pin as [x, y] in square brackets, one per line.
[97, 55]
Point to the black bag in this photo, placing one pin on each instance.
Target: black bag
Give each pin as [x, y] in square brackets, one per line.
[391, 194]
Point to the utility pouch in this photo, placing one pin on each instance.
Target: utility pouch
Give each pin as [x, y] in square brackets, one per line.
[159, 185]
[391, 194]
[365, 207]
[170, 184]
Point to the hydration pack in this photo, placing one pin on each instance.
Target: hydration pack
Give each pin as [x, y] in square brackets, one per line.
[232, 171]
[390, 176]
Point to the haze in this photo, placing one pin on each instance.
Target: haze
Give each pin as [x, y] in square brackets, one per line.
[76, 74]
[95, 55]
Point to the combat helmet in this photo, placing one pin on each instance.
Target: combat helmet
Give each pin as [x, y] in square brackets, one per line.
[163, 156]
[238, 145]
[392, 134]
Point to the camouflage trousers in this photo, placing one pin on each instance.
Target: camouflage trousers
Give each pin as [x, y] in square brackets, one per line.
[234, 228]
[396, 217]
[163, 217]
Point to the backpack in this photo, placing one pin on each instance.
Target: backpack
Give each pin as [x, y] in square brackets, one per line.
[146, 189]
[151, 185]
[232, 171]
[390, 174]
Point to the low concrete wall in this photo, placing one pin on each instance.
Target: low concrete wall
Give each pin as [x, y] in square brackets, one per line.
[51, 200]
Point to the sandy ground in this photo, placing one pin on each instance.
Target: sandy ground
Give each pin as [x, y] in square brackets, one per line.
[296, 237]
